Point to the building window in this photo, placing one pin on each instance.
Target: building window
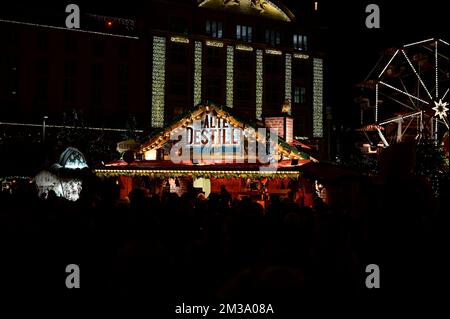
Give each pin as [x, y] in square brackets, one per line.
[179, 25]
[178, 85]
[70, 69]
[178, 54]
[273, 93]
[124, 95]
[41, 94]
[97, 84]
[69, 90]
[70, 44]
[273, 37]
[213, 88]
[123, 73]
[214, 29]
[244, 33]
[97, 94]
[300, 42]
[124, 51]
[273, 64]
[213, 57]
[12, 38]
[41, 41]
[41, 67]
[243, 90]
[244, 61]
[299, 95]
[98, 48]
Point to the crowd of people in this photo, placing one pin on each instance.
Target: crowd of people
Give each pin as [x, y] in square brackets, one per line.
[187, 247]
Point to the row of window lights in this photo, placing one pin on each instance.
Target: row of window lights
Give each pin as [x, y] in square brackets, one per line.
[245, 33]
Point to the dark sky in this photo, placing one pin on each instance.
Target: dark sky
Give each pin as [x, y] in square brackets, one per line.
[352, 49]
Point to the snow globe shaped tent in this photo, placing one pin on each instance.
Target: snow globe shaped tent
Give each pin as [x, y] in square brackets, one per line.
[65, 177]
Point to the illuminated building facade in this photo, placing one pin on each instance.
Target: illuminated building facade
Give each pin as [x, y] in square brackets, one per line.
[252, 56]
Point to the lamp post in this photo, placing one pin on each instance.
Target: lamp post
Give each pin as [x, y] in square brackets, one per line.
[43, 128]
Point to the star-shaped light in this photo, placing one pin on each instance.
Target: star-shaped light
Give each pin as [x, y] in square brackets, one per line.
[441, 109]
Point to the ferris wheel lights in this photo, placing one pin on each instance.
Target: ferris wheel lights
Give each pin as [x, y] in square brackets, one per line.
[441, 109]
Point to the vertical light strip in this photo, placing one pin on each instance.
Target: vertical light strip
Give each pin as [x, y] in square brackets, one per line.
[318, 97]
[158, 81]
[376, 103]
[198, 53]
[230, 75]
[436, 69]
[288, 81]
[436, 128]
[259, 84]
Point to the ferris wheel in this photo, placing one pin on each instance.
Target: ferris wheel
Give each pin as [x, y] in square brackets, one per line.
[406, 94]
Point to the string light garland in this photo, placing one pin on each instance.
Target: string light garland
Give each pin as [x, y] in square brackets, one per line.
[164, 174]
[259, 84]
[158, 81]
[317, 97]
[198, 53]
[288, 82]
[230, 75]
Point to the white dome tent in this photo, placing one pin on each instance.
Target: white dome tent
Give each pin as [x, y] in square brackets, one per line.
[60, 178]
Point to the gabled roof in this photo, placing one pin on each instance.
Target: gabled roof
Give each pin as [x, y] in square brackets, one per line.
[161, 136]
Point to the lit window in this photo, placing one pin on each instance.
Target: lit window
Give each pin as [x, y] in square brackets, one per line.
[300, 42]
[244, 33]
[214, 29]
[273, 37]
[299, 95]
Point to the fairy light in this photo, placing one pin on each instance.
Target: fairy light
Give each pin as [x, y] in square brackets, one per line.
[216, 44]
[259, 84]
[301, 56]
[392, 58]
[436, 68]
[178, 39]
[158, 81]
[318, 97]
[242, 47]
[376, 103]
[273, 52]
[288, 81]
[406, 93]
[230, 75]
[198, 53]
[417, 74]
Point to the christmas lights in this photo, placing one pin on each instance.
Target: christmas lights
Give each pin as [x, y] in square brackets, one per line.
[318, 97]
[259, 84]
[230, 75]
[242, 47]
[301, 56]
[288, 82]
[179, 39]
[154, 173]
[198, 72]
[216, 44]
[158, 81]
[273, 52]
